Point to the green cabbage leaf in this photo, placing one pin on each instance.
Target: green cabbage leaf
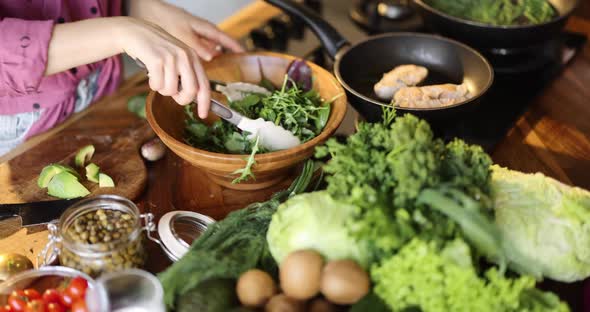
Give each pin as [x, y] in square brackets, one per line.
[315, 221]
[545, 223]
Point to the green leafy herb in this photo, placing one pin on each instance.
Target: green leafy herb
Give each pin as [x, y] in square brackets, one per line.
[498, 12]
[246, 172]
[214, 295]
[305, 114]
[434, 277]
[136, 105]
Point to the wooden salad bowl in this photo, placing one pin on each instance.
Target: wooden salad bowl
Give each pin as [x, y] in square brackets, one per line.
[166, 117]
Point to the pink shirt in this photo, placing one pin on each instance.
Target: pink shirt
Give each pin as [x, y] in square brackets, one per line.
[25, 31]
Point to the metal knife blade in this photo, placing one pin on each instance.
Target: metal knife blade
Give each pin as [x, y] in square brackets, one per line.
[35, 213]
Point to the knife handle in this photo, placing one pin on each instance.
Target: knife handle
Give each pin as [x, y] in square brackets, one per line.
[8, 211]
[225, 112]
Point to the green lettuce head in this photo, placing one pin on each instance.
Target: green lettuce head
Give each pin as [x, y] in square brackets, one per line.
[545, 224]
[314, 221]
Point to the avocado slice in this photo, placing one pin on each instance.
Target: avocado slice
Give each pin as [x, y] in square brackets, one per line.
[65, 185]
[84, 155]
[92, 172]
[68, 169]
[105, 181]
[50, 171]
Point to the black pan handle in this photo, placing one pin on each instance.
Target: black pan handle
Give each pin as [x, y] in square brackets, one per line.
[328, 35]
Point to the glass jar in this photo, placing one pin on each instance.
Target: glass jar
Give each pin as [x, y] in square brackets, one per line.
[53, 277]
[99, 235]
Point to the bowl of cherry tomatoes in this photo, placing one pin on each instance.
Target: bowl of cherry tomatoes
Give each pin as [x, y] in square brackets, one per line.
[52, 289]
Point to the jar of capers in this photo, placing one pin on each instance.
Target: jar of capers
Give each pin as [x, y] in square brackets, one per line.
[100, 234]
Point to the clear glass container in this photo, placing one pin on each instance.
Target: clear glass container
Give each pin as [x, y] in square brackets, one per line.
[52, 277]
[133, 290]
[99, 235]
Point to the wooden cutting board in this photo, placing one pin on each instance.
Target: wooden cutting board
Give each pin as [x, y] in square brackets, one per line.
[117, 153]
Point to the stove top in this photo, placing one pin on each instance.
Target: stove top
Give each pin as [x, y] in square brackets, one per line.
[520, 75]
[378, 16]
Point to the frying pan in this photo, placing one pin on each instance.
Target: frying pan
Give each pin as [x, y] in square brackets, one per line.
[358, 67]
[491, 37]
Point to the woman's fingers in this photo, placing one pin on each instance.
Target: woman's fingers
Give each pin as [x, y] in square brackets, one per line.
[170, 75]
[155, 70]
[204, 92]
[215, 48]
[188, 78]
[213, 33]
[203, 51]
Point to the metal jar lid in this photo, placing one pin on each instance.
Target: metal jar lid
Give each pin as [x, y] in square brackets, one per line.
[178, 229]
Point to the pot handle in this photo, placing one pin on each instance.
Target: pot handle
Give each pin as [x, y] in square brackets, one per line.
[328, 35]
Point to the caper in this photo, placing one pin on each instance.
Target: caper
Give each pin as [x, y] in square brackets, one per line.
[106, 230]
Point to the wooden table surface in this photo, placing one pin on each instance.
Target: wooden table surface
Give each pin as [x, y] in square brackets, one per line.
[553, 137]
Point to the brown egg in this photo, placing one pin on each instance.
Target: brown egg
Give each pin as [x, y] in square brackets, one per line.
[344, 282]
[321, 305]
[255, 287]
[300, 274]
[282, 303]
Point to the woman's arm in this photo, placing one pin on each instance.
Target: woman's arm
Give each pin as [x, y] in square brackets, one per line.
[84, 42]
[23, 54]
[166, 58]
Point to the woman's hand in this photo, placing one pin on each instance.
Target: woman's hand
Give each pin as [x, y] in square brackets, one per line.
[202, 36]
[166, 58]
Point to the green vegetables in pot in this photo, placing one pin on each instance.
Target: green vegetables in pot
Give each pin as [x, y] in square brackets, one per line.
[498, 12]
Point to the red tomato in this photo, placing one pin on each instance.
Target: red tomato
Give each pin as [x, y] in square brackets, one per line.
[51, 295]
[79, 306]
[6, 308]
[65, 300]
[17, 301]
[77, 288]
[19, 293]
[36, 305]
[55, 307]
[32, 294]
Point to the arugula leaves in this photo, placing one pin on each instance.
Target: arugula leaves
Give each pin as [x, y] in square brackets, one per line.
[304, 113]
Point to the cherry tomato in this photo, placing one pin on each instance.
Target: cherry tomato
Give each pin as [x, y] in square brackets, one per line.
[65, 300]
[18, 293]
[36, 305]
[55, 307]
[51, 295]
[6, 308]
[77, 288]
[31, 294]
[17, 301]
[79, 306]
